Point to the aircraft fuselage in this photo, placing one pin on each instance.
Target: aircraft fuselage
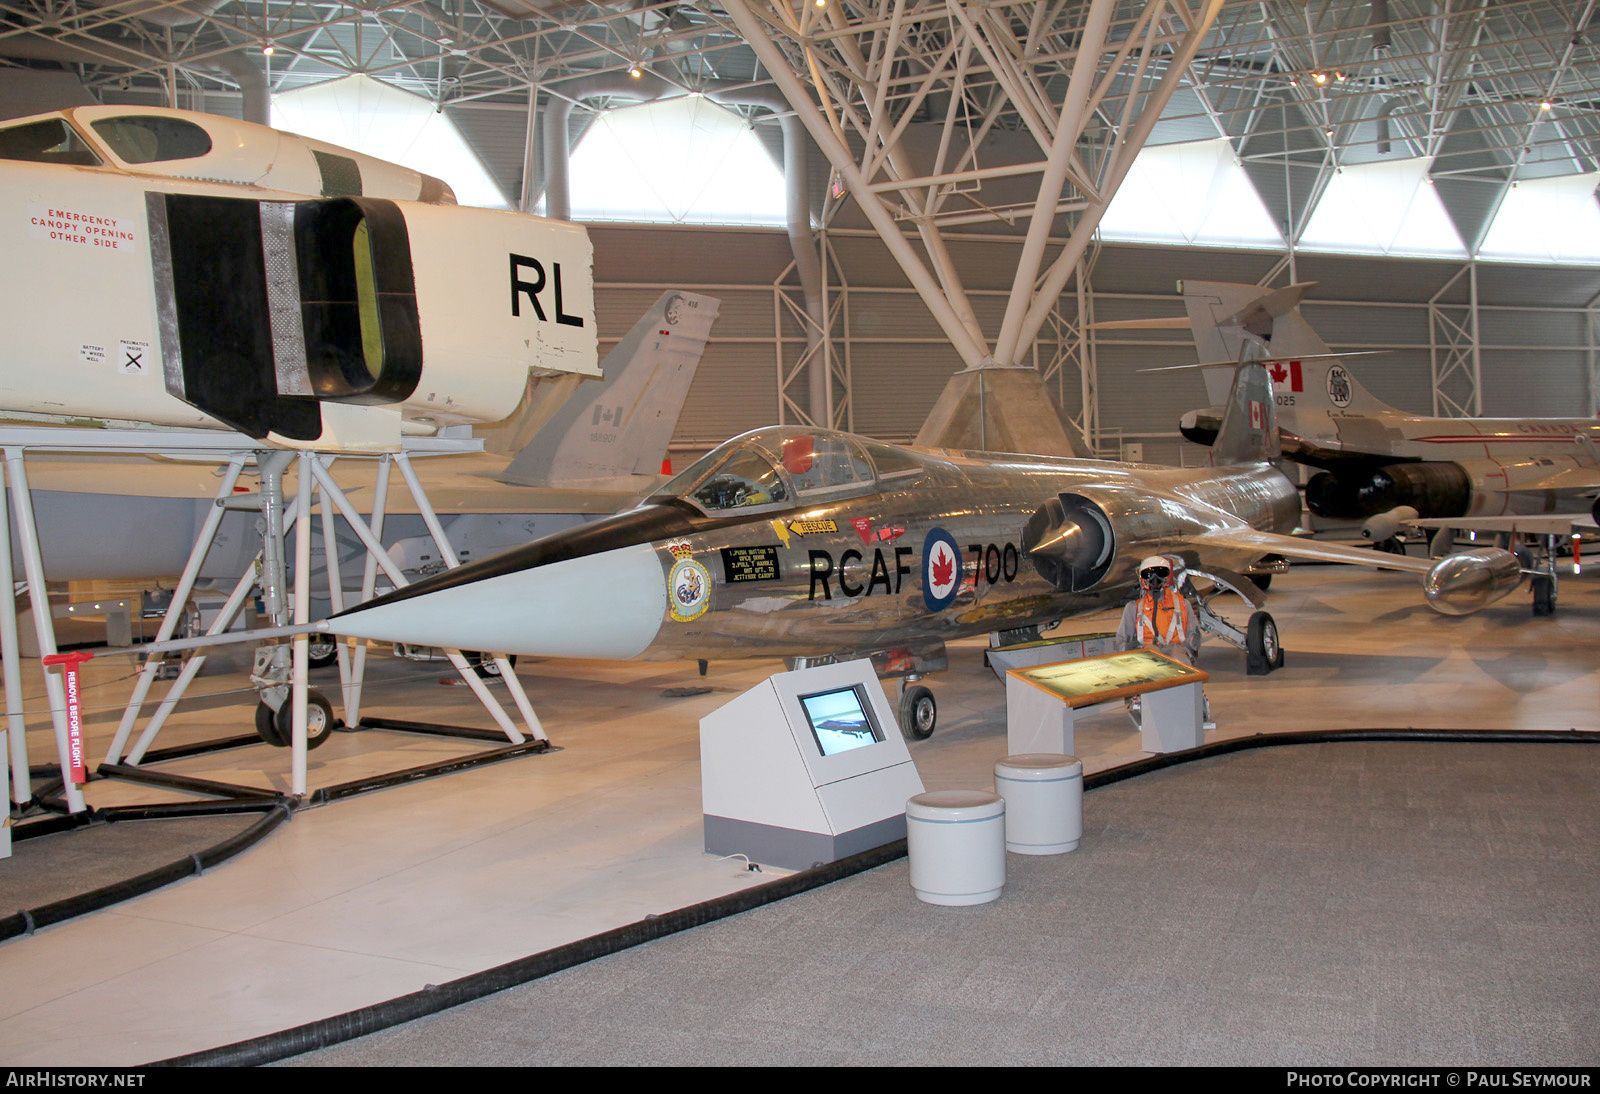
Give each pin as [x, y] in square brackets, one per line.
[927, 556]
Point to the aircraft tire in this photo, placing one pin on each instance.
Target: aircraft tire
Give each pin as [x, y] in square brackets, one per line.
[277, 727]
[1260, 581]
[1263, 651]
[919, 714]
[322, 652]
[267, 726]
[484, 665]
[1544, 595]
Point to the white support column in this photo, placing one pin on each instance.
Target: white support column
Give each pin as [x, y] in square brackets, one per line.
[301, 643]
[43, 623]
[21, 788]
[369, 580]
[833, 146]
[1592, 326]
[330, 562]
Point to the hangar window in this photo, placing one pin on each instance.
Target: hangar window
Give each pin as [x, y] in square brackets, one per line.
[684, 160]
[1383, 208]
[153, 139]
[52, 141]
[382, 120]
[1547, 220]
[1191, 193]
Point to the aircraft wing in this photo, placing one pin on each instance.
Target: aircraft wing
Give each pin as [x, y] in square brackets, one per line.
[1545, 524]
[1245, 539]
[455, 483]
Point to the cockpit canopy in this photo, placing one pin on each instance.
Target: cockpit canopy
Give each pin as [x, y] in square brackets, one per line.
[782, 467]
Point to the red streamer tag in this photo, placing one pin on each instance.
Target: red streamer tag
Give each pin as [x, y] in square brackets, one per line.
[69, 662]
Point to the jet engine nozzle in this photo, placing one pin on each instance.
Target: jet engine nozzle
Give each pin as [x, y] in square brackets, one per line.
[1465, 582]
[1070, 542]
[1385, 525]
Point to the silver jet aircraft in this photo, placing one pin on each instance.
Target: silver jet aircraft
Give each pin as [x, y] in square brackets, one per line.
[810, 544]
[1372, 458]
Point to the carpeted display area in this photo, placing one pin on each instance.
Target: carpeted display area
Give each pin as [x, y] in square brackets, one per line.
[1351, 903]
[61, 865]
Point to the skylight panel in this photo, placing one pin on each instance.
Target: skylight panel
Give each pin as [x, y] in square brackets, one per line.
[1383, 208]
[381, 120]
[683, 160]
[1192, 193]
[1551, 220]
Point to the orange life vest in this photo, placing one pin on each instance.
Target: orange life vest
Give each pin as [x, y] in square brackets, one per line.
[1165, 622]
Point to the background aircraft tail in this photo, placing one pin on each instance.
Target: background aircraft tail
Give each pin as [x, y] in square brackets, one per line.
[621, 424]
[1249, 431]
[1235, 322]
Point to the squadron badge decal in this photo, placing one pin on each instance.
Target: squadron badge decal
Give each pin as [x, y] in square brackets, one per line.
[1339, 391]
[688, 586]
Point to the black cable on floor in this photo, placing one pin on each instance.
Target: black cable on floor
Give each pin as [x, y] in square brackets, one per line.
[437, 997]
[31, 919]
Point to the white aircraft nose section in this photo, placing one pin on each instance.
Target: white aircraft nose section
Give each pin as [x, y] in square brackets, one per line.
[608, 605]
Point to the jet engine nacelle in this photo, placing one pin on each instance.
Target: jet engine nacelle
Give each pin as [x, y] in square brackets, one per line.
[335, 323]
[1432, 489]
[1077, 542]
[1387, 525]
[1465, 582]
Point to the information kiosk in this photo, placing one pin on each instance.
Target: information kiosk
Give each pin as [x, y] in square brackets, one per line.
[1042, 702]
[804, 768]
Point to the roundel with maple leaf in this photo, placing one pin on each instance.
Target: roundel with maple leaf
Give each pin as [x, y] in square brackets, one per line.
[941, 569]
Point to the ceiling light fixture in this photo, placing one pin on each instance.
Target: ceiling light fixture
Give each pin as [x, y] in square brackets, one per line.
[268, 49]
[635, 71]
[1320, 77]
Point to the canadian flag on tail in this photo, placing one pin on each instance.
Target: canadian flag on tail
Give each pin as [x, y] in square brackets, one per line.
[1282, 371]
[1258, 416]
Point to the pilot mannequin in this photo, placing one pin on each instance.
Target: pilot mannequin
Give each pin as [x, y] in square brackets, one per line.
[1160, 616]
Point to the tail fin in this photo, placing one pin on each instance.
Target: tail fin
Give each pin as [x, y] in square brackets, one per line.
[1249, 431]
[621, 425]
[1236, 322]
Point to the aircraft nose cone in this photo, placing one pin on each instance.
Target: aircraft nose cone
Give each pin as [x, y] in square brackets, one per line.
[608, 605]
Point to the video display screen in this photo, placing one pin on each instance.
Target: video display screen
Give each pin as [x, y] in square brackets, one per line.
[839, 720]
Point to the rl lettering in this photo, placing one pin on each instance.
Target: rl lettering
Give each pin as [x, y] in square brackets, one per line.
[532, 289]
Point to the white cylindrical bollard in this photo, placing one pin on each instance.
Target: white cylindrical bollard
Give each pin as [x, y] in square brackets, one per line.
[1044, 802]
[956, 840]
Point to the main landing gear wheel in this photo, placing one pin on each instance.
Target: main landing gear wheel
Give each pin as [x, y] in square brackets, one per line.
[1260, 581]
[1544, 595]
[485, 665]
[1262, 650]
[322, 652]
[277, 727]
[918, 713]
